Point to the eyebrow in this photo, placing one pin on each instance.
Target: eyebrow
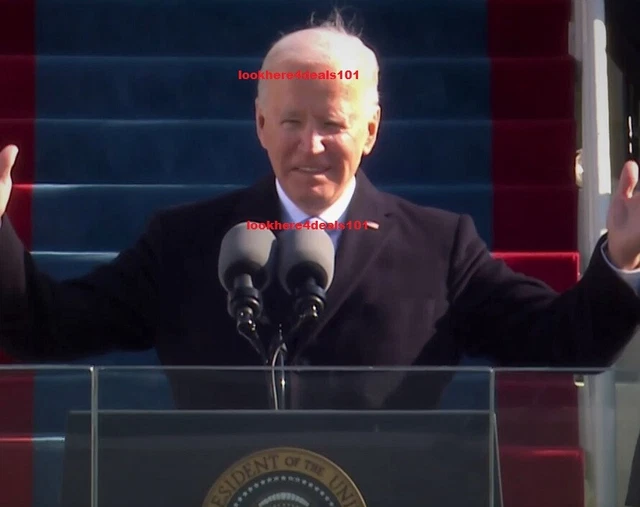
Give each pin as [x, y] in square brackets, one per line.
[343, 115]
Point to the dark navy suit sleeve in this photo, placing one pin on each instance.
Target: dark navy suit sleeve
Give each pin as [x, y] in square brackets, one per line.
[520, 321]
[114, 307]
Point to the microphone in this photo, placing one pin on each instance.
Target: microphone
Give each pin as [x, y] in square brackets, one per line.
[305, 269]
[245, 263]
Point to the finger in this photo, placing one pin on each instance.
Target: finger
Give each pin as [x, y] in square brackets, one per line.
[7, 159]
[628, 179]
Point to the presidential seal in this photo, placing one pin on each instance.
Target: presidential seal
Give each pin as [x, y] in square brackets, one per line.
[284, 477]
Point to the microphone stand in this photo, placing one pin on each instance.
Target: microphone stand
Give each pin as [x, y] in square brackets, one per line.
[246, 326]
[309, 306]
[308, 309]
[278, 359]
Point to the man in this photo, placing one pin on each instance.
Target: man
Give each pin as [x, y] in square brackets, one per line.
[420, 289]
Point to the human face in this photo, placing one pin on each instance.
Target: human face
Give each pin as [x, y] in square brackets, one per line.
[315, 132]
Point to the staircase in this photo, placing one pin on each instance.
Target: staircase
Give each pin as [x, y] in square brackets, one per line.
[121, 107]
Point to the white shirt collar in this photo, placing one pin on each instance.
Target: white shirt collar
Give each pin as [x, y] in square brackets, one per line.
[334, 213]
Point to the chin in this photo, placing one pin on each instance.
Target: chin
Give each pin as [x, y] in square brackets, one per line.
[318, 198]
[317, 195]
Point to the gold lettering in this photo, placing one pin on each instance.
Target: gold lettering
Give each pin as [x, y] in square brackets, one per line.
[231, 489]
[239, 478]
[310, 466]
[248, 470]
[292, 461]
[341, 490]
[261, 465]
[216, 502]
[275, 458]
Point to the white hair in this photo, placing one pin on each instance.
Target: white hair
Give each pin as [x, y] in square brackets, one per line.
[331, 42]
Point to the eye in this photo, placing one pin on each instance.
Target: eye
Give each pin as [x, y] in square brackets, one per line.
[334, 127]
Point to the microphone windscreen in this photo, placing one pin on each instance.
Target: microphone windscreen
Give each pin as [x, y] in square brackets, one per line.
[304, 254]
[247, 251]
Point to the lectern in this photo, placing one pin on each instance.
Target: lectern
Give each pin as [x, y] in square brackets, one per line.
[342, 441]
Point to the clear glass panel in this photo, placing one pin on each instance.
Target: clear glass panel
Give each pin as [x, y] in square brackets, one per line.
[165, 436]
[545, 432]
[342, 437]
[35, 404]
[627, 438]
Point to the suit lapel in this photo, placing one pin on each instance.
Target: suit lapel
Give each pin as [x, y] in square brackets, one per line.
[357, 250]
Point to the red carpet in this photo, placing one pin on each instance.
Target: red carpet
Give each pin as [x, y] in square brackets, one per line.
[17, 87]
[535, 210]
[538, 477]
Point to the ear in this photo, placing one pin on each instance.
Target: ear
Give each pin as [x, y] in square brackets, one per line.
[372, 131]
[260, 123]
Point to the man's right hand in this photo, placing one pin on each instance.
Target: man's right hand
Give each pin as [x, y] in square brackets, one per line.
[7, 159]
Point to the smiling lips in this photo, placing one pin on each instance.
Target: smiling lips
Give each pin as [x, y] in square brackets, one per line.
[311, 170]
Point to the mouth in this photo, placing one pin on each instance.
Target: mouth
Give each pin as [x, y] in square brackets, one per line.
[312, 170]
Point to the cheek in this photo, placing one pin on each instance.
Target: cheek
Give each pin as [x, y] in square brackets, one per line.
[287, 143]
[280, 150]
[349, 151]
[340, 145]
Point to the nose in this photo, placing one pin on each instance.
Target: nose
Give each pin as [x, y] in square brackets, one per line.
[312, 142]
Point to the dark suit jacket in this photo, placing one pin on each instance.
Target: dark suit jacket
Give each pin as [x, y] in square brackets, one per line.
[421, 290]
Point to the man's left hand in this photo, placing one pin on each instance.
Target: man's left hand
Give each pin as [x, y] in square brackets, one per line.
[623, 221]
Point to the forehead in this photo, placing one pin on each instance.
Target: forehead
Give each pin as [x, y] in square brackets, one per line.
[310, 94]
